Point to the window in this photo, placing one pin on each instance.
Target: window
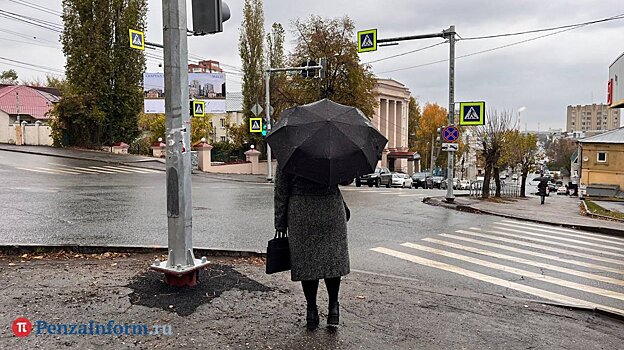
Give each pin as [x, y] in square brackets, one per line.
[223, 139]
[223, 122]
[602, 157]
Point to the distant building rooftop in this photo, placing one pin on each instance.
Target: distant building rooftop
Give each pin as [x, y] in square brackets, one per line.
[613, 136]
[32, 101]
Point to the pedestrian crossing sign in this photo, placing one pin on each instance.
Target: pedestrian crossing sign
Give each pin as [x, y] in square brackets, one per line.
[367, 40]
[137, 39]
[472, 113]
[255, 124]
[199, 109]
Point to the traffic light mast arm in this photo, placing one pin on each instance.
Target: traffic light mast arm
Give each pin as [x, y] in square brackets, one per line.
[412, 37]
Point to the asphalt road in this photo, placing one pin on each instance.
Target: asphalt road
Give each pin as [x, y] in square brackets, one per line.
[49, 200]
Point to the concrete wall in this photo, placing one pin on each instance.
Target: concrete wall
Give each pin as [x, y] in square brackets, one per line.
[243, 168]
[609, 172]
[34, 135]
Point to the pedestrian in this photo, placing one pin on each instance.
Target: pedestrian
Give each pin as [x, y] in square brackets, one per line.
[542, 187]
[315, 217]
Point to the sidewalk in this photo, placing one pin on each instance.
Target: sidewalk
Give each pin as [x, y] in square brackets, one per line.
[237, 306]
[123, 159]
[557, 210]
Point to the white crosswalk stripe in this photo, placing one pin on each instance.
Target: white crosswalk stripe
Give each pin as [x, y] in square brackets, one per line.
[60, 169]
[560, 229]
[584, 276]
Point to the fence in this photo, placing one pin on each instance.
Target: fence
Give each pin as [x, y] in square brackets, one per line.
[508, 190]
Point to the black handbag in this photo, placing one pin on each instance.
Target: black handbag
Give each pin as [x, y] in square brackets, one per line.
[278, 254]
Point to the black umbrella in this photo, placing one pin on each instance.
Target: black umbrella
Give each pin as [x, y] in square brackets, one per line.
[326, 142]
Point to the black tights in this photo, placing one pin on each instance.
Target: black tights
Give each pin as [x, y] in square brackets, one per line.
[311, 287]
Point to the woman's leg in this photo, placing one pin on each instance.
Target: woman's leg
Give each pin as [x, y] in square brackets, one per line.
[310, 289]
[333, 288]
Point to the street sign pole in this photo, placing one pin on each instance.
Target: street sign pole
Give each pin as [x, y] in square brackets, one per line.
[451, 116]
[267, 111]
[181, 266]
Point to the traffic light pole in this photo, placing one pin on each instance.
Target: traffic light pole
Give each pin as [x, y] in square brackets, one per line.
[267, 107]
[450, 33]
[181, 266]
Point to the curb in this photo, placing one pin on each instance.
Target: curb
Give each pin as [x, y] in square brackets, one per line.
[469, 209]
[18, 249]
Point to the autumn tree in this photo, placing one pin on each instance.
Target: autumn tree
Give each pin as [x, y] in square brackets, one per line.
[559, 152]
[346, 81]
[103, 97]
[250, 49]
[433, 116]
[413, 118]
[492, 137]
[8, 77]
[521, 150]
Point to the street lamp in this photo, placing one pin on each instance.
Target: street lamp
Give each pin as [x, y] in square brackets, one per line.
[520, 110]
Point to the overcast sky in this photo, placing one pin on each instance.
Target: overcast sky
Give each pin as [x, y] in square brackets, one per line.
[544, 75]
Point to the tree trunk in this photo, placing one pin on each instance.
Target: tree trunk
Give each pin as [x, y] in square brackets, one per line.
[485, 191]
[497, 181]
[525, 172]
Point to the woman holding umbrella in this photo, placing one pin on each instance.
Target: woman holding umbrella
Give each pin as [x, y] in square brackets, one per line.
[318, 146]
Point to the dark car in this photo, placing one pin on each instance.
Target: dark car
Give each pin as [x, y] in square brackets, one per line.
[381, 176]
[422, 179]
[439, 182]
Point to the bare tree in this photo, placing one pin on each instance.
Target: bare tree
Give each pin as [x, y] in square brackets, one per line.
[492, 137]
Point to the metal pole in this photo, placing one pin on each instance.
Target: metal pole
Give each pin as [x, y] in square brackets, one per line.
[451, 116]
[181, 262]
[17, 106]
[431, 160]
[267, 112]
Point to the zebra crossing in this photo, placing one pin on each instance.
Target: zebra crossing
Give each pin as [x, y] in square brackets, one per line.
[551, 263]
[60, 169]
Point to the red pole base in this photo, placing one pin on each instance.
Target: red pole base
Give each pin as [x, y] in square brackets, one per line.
[187, 279]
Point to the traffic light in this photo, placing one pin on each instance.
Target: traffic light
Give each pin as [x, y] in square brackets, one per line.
[208, 16]
[264, 128]
[322, 71]
[440, 137]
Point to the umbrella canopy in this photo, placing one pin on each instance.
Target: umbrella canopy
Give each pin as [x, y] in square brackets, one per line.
[326, 142]
[541, 179]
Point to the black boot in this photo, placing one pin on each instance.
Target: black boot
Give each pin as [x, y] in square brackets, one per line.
[333, 317]
[312, 318]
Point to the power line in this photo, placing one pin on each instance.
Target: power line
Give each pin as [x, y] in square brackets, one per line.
[406, 53]
[36, 7]
[30, 66]
[621, 16]
[545, 29]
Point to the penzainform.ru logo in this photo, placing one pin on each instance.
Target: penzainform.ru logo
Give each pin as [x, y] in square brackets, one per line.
[22, 327]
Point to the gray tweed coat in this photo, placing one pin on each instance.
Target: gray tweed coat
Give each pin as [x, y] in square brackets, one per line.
[315, 217]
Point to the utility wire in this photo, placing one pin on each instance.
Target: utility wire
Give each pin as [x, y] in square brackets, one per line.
[406, 53]
[568, 28]
[31, 65]
[36, 7]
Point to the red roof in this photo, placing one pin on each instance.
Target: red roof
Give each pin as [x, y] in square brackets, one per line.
[31, 101]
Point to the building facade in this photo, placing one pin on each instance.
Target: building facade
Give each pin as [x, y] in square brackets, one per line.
[207, 66]
[602, 159]
[592, 117]
[391, 119]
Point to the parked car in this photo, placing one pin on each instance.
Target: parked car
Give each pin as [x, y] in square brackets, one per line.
[514, 177]
[456, 183]
[381, 176]
[422, 179]
[401, 180]
[562, 190]
[439, 182]
[464, 184]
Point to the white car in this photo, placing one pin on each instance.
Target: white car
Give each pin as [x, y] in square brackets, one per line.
[464, 184]
[401, 180]
[562, 190]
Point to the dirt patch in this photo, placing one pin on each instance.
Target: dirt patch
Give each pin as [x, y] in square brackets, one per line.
[150, 290]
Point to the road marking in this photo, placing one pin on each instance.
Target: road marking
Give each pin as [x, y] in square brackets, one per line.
[553, 243]
[145, 170]
[127, 169]
[519, 272]
[37, 171]
[107, 169]
[527, 262]
[559, 298]
[529, 252]
[543, 247]
[60, 171]
[577, 235]
[561, 238]
[565, 230]
[80, 170]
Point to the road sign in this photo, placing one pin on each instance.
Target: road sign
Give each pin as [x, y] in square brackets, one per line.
[472, 113]
[255, 124]
[137, 39]
[367, 40]
[256, 109]
[450, 147]
[450, 134]
[199, 109]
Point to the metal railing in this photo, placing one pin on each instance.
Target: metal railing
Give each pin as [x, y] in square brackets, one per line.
[508, 190]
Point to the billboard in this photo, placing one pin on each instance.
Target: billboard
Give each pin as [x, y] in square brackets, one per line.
[615, 90]
[207, 87]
